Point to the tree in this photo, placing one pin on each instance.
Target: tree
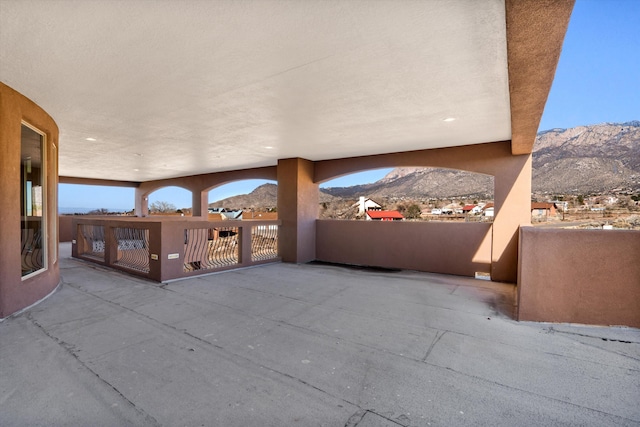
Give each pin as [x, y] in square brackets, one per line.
[413, 211]
[101, 211]
[162, 207]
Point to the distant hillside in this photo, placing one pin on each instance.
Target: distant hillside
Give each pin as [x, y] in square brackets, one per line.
[263, 197]
[587, 159]
[422, 183]
[581, 160]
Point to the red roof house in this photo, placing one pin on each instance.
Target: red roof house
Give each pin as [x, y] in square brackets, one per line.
[384, 216]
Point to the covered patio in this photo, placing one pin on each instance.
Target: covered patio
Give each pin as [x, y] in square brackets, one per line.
[197, 94]
[314, 344]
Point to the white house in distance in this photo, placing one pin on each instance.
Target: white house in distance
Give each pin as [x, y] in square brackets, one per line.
[366, 204]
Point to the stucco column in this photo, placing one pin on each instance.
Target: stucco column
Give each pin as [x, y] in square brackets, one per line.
[512, 209]
[200, 203]
[142, 202]
[298, 210]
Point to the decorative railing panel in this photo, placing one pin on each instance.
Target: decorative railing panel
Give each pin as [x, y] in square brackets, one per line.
[133, 248]
[264, 242]
[169, 248]
[32, 253]
[210, 248]
[93, 243]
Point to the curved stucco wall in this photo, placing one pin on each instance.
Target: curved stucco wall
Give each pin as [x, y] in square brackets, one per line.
[16, 293]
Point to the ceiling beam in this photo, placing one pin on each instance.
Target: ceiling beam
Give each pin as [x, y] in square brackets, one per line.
[93, 181]
[535, 33]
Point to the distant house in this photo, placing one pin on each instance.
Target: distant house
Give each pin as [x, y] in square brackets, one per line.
[365, 204]
[543, 209]
[472, 209]
[451, 208]
[232, 215]
[375, 215]
[488, 210]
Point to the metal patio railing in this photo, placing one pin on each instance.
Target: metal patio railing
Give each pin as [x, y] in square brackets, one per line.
[166, 248]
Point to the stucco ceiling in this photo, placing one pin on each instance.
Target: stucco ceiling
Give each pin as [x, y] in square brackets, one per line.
[175, 88]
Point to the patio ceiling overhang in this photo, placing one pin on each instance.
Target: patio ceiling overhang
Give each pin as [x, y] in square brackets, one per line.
[152, 90]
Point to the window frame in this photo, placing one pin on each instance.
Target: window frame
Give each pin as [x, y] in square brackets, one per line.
[45, 203]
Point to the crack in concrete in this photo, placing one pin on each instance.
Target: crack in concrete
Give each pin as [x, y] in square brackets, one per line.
[221, 348]
[359, 415]
[438, 337]
[552, 330]
[433, 343]
[69, 348]
[565, 402]
[355, 419]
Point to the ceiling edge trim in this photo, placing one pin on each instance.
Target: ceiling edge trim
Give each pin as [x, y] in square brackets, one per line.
[535, 34]
[95, 181]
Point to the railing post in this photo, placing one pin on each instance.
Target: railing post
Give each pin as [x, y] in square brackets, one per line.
[110, 245]
[79, 246]
[244, 251]
[156, 237]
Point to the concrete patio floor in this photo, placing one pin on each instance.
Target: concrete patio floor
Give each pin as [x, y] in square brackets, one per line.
[307, 345]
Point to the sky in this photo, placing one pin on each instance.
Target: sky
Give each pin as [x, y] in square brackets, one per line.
[597, 81]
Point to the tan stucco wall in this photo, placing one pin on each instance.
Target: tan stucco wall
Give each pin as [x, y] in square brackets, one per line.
[16, 293]
[579, 276]
[65, 231]
[512, 181]
[449, 248]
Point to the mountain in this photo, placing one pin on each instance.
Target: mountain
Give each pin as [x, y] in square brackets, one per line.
[582, 160]
[263, 197]
[587, 159]
[421, 183]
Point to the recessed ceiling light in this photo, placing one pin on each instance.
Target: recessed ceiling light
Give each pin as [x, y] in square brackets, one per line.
[90, 139]
[268, 147]
[449, 119]
[136, 170]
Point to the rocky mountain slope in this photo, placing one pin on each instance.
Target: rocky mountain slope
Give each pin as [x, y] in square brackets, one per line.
[422, 183]
[587, 159]
[582, 160]
[263, 197]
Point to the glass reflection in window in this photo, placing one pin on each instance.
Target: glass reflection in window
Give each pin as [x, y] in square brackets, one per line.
[32, 198]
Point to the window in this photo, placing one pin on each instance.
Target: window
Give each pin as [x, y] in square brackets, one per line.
[54, 200]
[33, 200]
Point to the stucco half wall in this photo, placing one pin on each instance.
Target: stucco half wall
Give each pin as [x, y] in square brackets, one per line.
[579, 276]
[449, 248]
